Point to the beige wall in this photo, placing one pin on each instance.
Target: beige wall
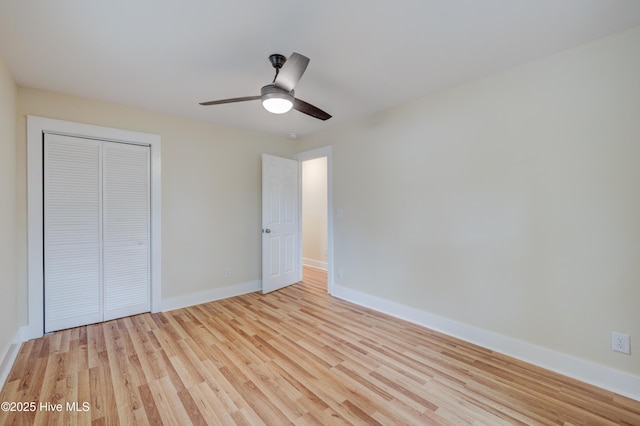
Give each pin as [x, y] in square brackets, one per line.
[211, 190]
[511, 204]
[314, 211]
[8, 283]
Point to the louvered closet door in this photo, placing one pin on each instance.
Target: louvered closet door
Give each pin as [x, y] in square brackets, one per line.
[97, 223]
[72, 232]
[126, 230]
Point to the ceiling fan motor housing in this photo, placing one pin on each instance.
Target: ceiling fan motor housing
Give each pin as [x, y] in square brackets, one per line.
[271, 91]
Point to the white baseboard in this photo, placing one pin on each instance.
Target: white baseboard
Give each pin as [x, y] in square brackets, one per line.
[10, 358]
[171, 303]
[595, 374]
[315, 263]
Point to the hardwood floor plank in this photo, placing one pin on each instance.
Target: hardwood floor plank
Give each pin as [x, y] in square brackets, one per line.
[210, 406]
[294, 356]
[192, 409]
[169, 407]
[265, 379]
[255, 399]
[152, 415]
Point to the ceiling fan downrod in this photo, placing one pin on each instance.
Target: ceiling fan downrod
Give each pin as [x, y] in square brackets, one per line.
[277, 61]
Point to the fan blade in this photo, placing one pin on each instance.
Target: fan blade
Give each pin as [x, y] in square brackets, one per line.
[309, 109]
[291, 72]
[231, 100]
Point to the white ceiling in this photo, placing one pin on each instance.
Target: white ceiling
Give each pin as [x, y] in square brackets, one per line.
[366, 55]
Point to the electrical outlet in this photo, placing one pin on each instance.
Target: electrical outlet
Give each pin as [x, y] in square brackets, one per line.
[340, 273]
[620, 343]
[227, 273]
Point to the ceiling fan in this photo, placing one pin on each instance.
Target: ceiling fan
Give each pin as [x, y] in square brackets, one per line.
[278, 96]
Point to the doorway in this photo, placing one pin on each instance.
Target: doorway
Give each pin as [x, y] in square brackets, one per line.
[316, 242]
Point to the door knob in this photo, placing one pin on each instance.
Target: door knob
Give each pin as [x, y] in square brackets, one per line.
[266, 231]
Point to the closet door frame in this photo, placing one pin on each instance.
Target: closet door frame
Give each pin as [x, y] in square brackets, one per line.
[36, 128]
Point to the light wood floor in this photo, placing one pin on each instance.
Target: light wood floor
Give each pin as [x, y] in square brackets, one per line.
[296, 356]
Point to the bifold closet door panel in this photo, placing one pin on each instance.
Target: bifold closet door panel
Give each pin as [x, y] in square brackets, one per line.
[126, 230]
[72, 232]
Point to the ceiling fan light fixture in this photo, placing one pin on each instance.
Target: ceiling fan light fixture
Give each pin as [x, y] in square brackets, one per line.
[276, 100]
[277, 104]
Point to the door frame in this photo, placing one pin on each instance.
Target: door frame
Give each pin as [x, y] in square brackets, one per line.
[36, 127]
[324, 151]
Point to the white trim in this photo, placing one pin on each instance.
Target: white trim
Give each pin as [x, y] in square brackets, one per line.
[177, 302]
[36, 126]
[595, 374]
[10, 358]
[324, 151]
[318, 264]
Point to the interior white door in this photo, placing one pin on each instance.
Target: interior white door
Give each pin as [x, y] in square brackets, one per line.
[72, 232]
[280, 223]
